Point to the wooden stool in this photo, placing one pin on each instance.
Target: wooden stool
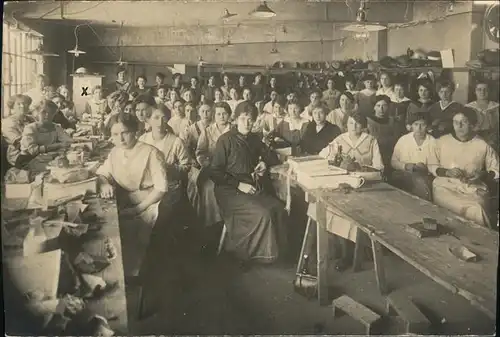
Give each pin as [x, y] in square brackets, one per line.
[357, 311]
[415, 321]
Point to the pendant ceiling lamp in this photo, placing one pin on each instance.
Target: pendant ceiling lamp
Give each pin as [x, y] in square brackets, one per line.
[361, 25]
[40, 51]
[263, 11]
[75, 51]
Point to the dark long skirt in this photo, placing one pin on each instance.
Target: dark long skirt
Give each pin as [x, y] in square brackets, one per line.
[255, 224]
[160, 274]
[412, 182]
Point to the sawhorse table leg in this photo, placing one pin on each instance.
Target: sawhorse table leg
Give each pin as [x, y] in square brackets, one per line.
[323, 253]
[378, 260]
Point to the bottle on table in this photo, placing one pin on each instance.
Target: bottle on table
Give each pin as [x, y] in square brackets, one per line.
[338, 157]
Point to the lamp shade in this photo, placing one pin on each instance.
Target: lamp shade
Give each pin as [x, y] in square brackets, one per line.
[263, 11]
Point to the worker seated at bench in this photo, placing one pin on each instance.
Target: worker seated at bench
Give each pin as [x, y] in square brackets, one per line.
[411, 157]
[466, 164]
[254, 219]
[43, 135]
[318, 133]
[364, 149]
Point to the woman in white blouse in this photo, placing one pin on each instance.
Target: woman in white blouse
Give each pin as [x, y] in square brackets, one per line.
[412, 155]
[466, 166]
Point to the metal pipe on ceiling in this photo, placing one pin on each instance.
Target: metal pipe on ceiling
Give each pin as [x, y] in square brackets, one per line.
[222, 45]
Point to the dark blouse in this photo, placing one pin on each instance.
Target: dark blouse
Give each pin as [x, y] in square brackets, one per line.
[259, 92]
[398, 111]
[313, 142]
[386, 135]
[442, 120]
[236, 156]
[60, 119]
[291, 137]
[209, 92]
[418, 106]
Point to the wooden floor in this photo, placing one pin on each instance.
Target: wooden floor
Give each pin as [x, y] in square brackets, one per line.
[221, 298]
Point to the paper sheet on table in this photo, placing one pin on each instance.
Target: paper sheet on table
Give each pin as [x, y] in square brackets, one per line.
[335, 224]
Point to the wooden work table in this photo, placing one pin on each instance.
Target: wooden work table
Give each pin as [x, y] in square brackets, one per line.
[43, 272]
[381, 211]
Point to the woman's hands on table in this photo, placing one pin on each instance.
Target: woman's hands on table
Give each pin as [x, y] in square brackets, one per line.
[106, 191]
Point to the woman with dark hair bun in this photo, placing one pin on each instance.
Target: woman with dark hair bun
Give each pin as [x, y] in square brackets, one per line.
[465, 166]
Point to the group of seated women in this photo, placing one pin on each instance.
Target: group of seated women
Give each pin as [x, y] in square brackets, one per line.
[215, 153]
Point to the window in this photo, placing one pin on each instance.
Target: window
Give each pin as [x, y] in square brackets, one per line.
[18, 68]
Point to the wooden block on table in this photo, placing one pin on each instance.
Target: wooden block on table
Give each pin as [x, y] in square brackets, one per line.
[357, 311]
[421, 230]
[415, 321]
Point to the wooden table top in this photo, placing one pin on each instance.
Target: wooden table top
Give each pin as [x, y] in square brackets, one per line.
[114, 305]
[382, 210]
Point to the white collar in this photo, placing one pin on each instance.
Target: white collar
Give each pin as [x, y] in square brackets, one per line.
[491, 105]
[361, 138]
[404, 99]
[447, 105]
[319, 128]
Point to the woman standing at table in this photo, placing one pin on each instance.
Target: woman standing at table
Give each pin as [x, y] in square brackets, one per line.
[339, 115]
[466, 165]
[487, 114]
[412, 157]
[43, 135]
[140, 190]
[318, 133]
[13, 126]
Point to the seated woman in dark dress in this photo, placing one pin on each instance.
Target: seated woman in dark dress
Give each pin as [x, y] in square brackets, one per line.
[253, 218]
[318, 133]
